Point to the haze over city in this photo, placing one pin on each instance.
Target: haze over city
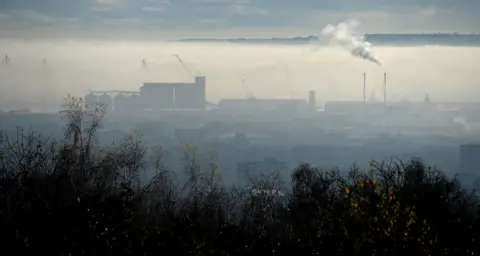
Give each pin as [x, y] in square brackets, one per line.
[446, 73]
[336, 56]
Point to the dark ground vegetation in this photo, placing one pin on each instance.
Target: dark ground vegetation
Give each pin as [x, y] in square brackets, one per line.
[74, 198]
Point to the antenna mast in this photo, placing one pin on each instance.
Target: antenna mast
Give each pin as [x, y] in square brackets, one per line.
[46, 66]
[6, 60]
[364, 86]
[385, 87]
[247, 92]
[245, 88]
[144, 64]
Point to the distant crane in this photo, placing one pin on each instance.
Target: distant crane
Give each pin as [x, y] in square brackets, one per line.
[183, 65]
[46, 66]
[247, 92]
[144, 64]
[6, 60]
[426, 99]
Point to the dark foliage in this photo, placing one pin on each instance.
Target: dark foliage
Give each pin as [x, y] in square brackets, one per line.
[73, 198]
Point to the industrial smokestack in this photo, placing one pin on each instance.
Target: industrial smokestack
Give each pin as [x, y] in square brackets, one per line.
[385, 87]
[311, 99]
[364, 86]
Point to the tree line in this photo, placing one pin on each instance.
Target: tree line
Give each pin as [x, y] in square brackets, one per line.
[73, 197]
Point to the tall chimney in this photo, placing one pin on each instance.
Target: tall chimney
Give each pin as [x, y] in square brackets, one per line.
[385, 87]
[311, 99]
[364, 86]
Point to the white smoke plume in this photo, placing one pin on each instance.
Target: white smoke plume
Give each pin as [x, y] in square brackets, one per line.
[463, 122]
[344, 34]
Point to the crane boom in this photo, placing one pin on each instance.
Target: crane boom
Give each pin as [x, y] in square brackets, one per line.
[244, 87]
[46, 66]
[248, 93]
[144, 64]
[183, 65]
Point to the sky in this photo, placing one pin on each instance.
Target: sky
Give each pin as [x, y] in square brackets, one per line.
[173, 19]
[117, 34]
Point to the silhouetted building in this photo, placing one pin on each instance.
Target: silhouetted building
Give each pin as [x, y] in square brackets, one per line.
[90, 99]
[241, 141]
[312, 100]
[127, 104]
[354, 107]
[135, 102]
[107, 101]
[427, 99]
[468, 180]
[20, 112]
[121, 103]
[191, 96]
[470, 158]
[157, 95]
[254, 104]
[344, 107]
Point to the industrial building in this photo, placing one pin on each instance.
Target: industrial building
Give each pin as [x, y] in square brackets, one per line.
[157, 96]
[267, 105]
[191, 96]
[154, 96]
[469, 158]
[259, 104]
[127, 103]
[107, 101]
[312, 101]
[175, 96]
[353, 107]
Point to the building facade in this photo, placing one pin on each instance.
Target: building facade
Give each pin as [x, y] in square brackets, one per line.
[470, 158]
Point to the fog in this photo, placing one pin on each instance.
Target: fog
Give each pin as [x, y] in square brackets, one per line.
[258, 134]
[270, 71]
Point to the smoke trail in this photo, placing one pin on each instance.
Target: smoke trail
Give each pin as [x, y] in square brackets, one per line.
[463, 122]
[344, 34]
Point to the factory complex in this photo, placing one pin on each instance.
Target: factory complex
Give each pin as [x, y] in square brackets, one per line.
[187, 97]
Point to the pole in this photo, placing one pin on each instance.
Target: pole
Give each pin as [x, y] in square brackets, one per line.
[364, 86]
[385, 87]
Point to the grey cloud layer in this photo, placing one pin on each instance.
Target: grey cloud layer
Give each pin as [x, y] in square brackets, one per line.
[222, 13]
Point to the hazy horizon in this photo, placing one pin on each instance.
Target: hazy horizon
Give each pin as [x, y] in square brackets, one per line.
[270, 71]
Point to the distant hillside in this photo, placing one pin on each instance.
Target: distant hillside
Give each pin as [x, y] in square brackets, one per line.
[376, 39]
[274, 40]
[424, 39]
